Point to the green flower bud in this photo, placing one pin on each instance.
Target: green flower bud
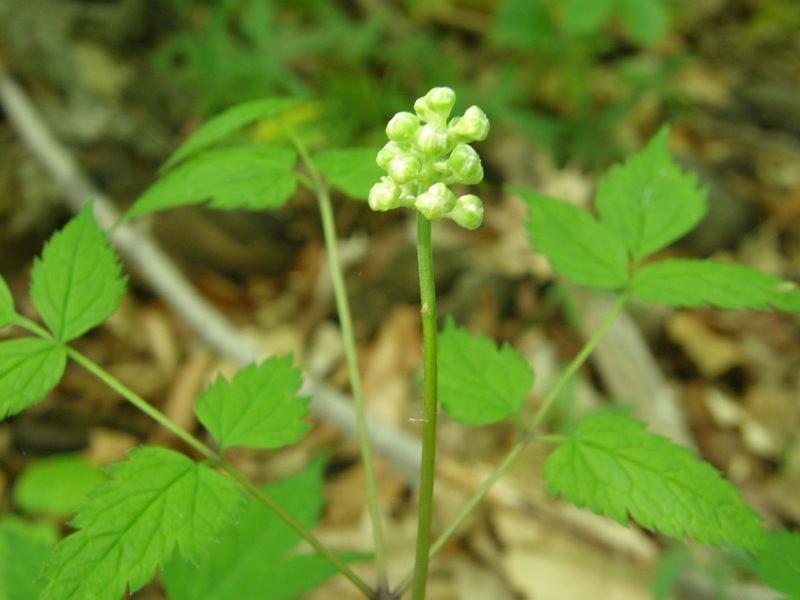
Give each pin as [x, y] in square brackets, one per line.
[436, 202]
[435, 106]
[402, 126]
[385, 195]
[404, 167]
[387, 153]
[434, 140]
[466, 165]
[468, 212]
[472, 127]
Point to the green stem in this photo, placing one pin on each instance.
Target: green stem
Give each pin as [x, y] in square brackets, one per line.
[143, 406]
[430, 407]
[526, 437]
[578, 361]
[351, 357]
[259, 495]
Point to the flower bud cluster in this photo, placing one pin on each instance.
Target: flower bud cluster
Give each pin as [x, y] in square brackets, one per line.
[427, 152]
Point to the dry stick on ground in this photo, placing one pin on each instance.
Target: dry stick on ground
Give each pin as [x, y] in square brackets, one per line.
[398, 448]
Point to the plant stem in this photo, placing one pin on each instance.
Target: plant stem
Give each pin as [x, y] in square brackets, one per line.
[348, 338]
[217, 460]
[430, 408]
[526, 436]
[259, 495]
[143, 405]
[576, 362]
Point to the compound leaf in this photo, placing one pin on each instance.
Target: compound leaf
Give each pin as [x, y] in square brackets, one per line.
[29, 369]
[698, 283]
[480, 384]
[778, 563]
[352, 171]
[225, 123]
[77, 283]
[7, 312]
[258, 408]
[249, 178]
[268, 569]
[648, 201]
[614, 468]
[24, 548]
[577, 246]
[157, 500]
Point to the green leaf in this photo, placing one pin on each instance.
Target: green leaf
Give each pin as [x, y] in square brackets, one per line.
[157, 500]
[778, 563]
[225, 123]
[698, 283]
[77, 283]
[258, 408]
[582, 18]
[249, 178]
[648, 201]
[56, 486]
[352, 171]
[647, 21]
[480, 384]
[7, 311]
[252, 560]
[614, 468]
[24, 548]
[576, 245]
[29, 369]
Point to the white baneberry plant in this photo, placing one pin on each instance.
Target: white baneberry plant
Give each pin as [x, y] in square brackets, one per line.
[213, 534]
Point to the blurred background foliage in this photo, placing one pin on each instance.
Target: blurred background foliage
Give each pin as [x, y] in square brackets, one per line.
[562, 72]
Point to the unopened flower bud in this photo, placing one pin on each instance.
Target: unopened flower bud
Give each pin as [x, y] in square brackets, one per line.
[402, 126]
[387, 153]
[468, 212]
[466, 165]
[436, 202]
[385, 195]
[434, 140]
[404, 167]
[472, 127]
[435, 106]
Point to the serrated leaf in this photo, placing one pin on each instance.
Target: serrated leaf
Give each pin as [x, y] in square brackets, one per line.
[77, 283]
[479, 383]
[697, 283]
[778, 563]
[225, 123]
[266, 570]
[24, 548]
[157, 500]
[258, 408]
[582, 18]
[248, 178]
[648, 201]
[614, 468]
[29, 369]
[352, 171]
[577, 246]
[7, 310]
[55, 486]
